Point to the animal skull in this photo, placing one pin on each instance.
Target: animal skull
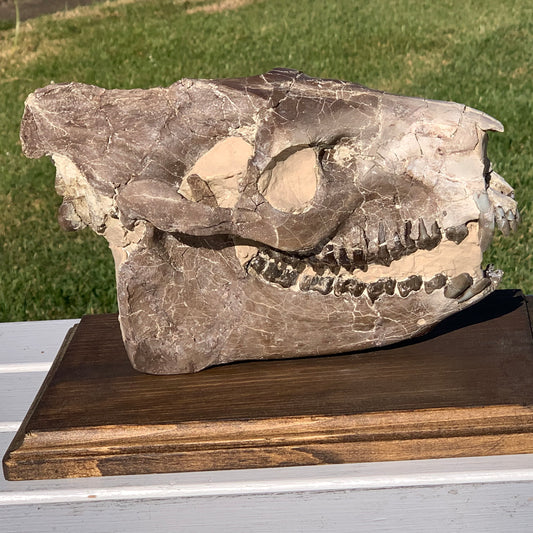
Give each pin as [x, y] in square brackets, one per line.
[275, 216]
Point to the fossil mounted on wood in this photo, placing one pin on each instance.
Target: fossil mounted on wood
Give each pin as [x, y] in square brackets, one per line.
[277, 215]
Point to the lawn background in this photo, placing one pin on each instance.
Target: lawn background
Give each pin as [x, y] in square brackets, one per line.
[477, 53]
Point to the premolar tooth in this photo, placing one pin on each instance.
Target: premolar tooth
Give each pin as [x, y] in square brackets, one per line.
[359, 260]
[478, 287]
[410, 245]
[344, 260]
[356, 287]
[321, 284]
[458, 285]
[411, 284]
[325, 256]
[457, 234]
[426, 242]
[383, 257]
[396, 250]
[375, 289]
[436, 282]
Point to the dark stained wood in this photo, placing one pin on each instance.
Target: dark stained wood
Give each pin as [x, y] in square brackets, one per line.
[466, 389]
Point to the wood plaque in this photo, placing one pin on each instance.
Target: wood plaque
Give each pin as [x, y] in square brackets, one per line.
[465, 389]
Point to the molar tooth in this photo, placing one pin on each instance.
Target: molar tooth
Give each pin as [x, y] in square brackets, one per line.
[457, 234]
[258, 263]
[411, 284]
[340, 285]
[479, 286]
[272, 271]
[389, 286]
[436, 282]
[379, 287]
[458, 285]
[321, 284]
[356, 287]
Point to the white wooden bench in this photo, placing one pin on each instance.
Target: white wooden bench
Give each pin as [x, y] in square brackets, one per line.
[485, 494]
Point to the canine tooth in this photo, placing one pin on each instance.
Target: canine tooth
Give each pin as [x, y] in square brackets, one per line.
[458, 285]
[436, 282]
[478, 287]
[457, 234]
[411, 284]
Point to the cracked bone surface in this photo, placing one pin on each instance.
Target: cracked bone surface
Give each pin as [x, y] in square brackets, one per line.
[277, 215]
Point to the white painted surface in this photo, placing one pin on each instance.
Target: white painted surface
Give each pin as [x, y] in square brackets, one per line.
[489, 494]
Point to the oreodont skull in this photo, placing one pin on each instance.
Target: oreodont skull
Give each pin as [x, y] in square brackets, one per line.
[275, 216]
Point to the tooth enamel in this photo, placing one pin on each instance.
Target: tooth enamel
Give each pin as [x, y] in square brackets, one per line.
[411, 284]
[436, 282]
[457, 234]
[476, 288]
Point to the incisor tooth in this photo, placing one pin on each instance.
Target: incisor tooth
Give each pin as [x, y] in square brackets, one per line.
[458, 285]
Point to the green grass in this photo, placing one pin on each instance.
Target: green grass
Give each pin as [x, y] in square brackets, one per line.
[477, 53]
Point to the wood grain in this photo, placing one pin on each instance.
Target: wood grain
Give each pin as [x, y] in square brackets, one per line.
[464, 390]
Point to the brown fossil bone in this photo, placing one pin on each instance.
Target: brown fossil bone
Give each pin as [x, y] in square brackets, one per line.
[277, 215]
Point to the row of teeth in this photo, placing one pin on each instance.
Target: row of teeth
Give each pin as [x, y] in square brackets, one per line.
[507, 221]
[385, 249]
[461, 287]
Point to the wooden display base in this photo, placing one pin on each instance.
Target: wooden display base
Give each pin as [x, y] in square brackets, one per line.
[464, 390]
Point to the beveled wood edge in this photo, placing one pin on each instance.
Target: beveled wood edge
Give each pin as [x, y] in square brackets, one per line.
[20, 435]
[265, 436]
[153, 461]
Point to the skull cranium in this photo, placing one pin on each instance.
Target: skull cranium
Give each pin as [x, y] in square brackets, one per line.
[275, 216]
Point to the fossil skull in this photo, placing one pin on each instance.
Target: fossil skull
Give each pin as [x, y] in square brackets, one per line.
[277, 215]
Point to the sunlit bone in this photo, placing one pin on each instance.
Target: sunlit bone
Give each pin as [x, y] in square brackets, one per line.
[274, 216]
